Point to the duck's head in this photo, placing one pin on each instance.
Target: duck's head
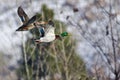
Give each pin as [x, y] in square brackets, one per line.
[65, 34]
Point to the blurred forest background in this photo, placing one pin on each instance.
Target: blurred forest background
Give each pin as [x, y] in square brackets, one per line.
[91, 53]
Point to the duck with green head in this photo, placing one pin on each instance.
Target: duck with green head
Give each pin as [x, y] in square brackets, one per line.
[48, 35]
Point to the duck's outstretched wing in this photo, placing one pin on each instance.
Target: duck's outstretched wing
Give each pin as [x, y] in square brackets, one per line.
[28, 25]
[23, 16]
[31, 23]
[32, 20]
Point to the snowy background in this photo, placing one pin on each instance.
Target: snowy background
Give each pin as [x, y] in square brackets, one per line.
[11, 41]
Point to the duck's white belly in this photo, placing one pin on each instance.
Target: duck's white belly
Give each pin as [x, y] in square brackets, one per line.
[47, 38]
[49, 35]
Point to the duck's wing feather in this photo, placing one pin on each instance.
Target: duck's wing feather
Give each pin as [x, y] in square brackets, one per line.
[31, 20]
[28, 25]
[42, 32]
[23, 16]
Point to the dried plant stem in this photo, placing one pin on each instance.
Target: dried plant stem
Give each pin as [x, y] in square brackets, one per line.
[113, 46]
[65, 62]
[25, 59]
[56, 59]
[64, 57]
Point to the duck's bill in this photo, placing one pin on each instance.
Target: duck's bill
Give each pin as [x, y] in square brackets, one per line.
[69, 34]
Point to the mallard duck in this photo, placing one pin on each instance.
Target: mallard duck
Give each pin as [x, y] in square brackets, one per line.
[28, 23]
[48, 35]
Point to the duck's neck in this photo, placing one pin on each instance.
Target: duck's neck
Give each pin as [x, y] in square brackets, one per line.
[58, 37]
